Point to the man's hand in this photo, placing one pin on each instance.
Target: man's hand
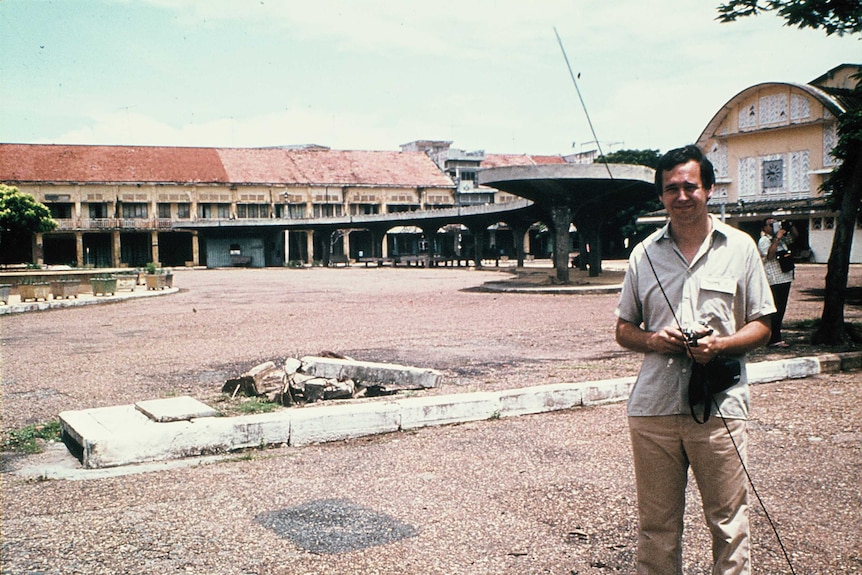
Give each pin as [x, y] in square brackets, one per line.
[668, 341]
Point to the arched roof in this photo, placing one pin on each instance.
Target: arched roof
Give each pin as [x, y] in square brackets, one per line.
[828, 101]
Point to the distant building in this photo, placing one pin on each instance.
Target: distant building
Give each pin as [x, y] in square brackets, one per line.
[129, 205]
[463, 166]
[771, 145]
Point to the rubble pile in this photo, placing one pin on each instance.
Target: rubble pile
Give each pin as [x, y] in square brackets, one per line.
[327, 376]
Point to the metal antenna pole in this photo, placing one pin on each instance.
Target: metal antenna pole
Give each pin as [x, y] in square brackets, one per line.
[581, 98]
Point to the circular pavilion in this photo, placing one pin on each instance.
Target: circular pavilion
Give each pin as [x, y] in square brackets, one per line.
[583, 194]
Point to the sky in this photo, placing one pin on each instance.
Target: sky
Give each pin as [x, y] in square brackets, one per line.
[374, 74]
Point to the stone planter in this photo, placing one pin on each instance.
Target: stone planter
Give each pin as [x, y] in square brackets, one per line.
[62, 289]
[104, 286]
[34, 292]
[127, 282]
[5, 290]
[159, 281]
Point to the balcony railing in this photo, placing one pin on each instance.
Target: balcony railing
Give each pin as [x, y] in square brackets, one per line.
[167, 224]
[106, 224]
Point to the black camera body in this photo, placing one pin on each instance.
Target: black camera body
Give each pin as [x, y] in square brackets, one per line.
[692, 336]
[781, 225]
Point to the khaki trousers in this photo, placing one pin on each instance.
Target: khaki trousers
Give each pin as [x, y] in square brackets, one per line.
[664, 447]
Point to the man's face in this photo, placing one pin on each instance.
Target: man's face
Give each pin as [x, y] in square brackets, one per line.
[683, 195]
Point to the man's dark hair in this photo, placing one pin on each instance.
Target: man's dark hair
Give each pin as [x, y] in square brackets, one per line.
[684, 155]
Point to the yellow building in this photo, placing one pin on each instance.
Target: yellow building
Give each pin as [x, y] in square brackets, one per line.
[771, 145]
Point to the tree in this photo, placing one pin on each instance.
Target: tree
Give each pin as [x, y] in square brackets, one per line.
[623, 224]
[845, 185]
[647, 158]
[845, 182]
[20, 217]
[833, 16]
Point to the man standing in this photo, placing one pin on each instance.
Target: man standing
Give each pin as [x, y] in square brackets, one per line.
[697, 274]
[775, 241]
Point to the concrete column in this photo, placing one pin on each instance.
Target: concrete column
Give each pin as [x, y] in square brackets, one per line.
[196, 249]
[309, 244]
[520, 237]
[38, 249]
[154, 239]
[345, 240]
[115, 248]
[384, 246]
[79, 249]
[478, 236]
[561, 216]
[430, 233]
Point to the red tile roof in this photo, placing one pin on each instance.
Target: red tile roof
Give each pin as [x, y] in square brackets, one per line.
[505, 160]
[122, 164]
[52, 163]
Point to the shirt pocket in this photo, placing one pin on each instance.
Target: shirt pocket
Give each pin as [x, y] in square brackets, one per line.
[715, 300]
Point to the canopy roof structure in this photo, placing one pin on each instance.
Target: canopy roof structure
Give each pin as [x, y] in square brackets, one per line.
[586, 194]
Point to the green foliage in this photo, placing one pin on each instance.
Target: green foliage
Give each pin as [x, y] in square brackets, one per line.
[256, 405]
[24, 440]
[845, 182]
[625, 219]
[848, 150]
[833, 16]
[21, 213]
[648, 158]
[152, 268]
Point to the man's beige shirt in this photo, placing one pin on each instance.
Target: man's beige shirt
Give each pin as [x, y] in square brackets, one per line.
[724, 288]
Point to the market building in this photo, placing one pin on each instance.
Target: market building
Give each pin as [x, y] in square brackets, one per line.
[129, 205]
[771, 145]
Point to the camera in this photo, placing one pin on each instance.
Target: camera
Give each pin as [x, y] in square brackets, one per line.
[781, 225]
[692, 336]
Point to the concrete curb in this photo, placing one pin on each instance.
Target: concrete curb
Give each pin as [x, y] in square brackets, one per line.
[77, 302]
[123, 435]
[506, 287]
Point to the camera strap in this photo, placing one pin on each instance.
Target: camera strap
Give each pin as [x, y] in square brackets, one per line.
[698, 390]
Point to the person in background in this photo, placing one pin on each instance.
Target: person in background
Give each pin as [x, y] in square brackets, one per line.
[775, 240]
[716, 286]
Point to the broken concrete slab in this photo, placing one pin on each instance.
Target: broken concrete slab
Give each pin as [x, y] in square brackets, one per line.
[259, 380]
[392, 375]
[175, 409]
[122, 435]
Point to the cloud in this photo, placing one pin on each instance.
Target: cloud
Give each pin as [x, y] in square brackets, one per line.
[372, 74]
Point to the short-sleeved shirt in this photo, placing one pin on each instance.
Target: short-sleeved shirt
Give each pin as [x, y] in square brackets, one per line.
[723, 288]
[774, 275]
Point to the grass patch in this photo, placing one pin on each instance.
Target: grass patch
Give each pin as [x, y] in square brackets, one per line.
[24, 440]
[256, 405]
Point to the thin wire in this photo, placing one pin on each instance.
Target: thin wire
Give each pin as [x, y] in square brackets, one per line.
[583, 105]
[666, 299]
[678, 325]
[729, 433]
[754, 489]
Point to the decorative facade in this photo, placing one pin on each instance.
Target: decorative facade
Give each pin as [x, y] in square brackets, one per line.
[771, 146]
